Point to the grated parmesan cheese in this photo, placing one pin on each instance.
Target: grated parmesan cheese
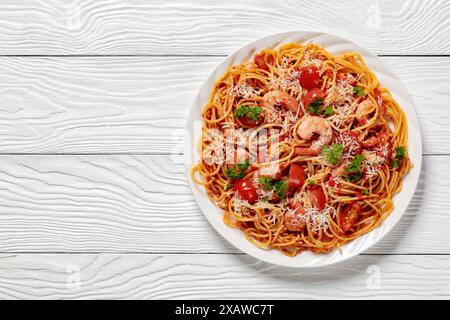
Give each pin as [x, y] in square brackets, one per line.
[289, 121]
[242, 90]
[274, 117]
[351, 145]
[318, 220]
[214, 151]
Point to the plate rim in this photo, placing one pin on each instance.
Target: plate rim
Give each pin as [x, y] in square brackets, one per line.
[258, 253]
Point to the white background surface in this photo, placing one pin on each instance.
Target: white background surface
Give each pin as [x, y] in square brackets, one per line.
[93, 99]
[334, 45]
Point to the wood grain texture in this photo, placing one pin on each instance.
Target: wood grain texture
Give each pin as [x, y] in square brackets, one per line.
[139, 104]
[143, 204]
[133, 276]
[203, 27]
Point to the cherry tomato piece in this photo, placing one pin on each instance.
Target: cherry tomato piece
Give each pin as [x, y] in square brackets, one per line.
[377, 96]
[341, 76]
[293, 220]
[312, 96]
[249, 123]
[261, 63]
[246, 191]
[317, 198]
[297, 176]
[309, 77]
[329, 74]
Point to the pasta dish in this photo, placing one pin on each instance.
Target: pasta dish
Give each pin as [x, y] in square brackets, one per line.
[302, 149]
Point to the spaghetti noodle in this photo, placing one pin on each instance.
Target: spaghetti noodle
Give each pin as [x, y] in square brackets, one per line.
[302, 150]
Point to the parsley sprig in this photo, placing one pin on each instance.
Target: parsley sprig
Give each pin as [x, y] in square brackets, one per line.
[359, 91]
[251, 113]
[353, 172]
[315, 106]
[328, 111]
[237, 171]
[333, 153]
[279, 186]
[399, 155]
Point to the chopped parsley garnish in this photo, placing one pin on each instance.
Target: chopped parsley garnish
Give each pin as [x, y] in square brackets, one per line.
[395, 164]
[237, 171]
[251, 113]
[244, 166]
[359, 91]
[353, 172]
[311, 182]
[315, 106]
[279, 186]
[328, 111]
[334, 153]
[398, 157]
[228, 186]
[365, 192]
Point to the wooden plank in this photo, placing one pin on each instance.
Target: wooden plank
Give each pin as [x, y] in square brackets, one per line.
[133, 276]
[139, 104]
[143, 204]
[203, 27]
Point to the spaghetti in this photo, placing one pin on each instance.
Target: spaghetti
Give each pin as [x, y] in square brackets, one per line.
[301, 149]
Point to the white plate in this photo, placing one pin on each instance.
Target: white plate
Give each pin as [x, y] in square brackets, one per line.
[334, 45]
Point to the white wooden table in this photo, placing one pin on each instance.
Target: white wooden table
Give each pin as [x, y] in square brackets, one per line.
[93, 100]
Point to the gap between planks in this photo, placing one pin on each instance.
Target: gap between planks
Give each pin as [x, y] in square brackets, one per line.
[188, 253]
[140, 154]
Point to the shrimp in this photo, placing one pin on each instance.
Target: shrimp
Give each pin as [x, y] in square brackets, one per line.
[274, 100]
[274, 171]
[293, 218]
[370, 142]
[363, 109]
[213, 152]
[308, 128]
